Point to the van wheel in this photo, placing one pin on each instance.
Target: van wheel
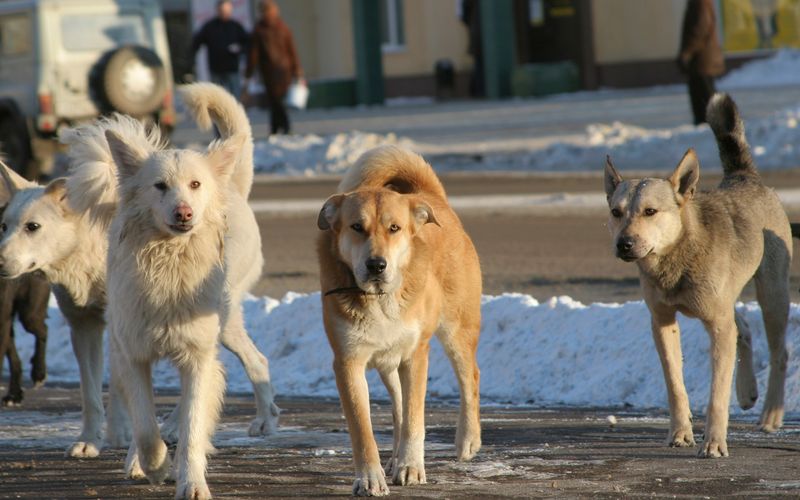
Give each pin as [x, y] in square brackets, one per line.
[14, 148]
[134, 81]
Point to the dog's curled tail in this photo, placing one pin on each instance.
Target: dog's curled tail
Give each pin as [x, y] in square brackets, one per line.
[210, 105]
[723, 117]
[395, 168]
[92, 176]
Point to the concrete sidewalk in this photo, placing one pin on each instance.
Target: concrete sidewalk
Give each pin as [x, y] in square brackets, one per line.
[527, 453]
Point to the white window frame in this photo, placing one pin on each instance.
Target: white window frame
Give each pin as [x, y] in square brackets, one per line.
[393, 45]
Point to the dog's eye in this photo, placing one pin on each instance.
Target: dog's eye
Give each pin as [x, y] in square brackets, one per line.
[616, 212]
[31, 227]
[649, 212]
[3, 227]
[194, 184]
[161, 186]
[357, 228]
[394, 228]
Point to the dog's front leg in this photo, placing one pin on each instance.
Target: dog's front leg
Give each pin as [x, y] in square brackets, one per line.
[354, 394]
[667, 337]
[87, 343]
[410, 468]
[723, 332]
[202, 389]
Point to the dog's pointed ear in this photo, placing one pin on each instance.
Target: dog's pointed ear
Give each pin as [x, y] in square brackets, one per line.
[223, 155]
[422, 214]
[57, 190]
[330, 212]
[128, 162]
[612, 178]
[687, 173]
[12, 182]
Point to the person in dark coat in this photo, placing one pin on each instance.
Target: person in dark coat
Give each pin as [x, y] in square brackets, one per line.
[701, 54]
[273, 53]
[226, 42]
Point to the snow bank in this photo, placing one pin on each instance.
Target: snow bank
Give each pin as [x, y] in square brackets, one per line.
[557, 352]
[783, 68]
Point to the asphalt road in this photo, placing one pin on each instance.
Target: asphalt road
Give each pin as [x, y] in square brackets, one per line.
[527, 453]
[542, 255]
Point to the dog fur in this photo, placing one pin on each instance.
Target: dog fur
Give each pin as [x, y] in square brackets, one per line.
[75, 214]
[695, 253]
[183, 248]
[399, 268]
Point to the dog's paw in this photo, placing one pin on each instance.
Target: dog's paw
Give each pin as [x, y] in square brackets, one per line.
[192, 491]
[408, 474]
[713, 448]
[159, 473]
[38, 375]
[263, 426]
[133, 469]
[390, 466]
[467, 447]
[746, 391]
[12, 400]
[169, 432]
[681, 438]
[118, 436]
[371, 483]
[83, 449]
[771, 419]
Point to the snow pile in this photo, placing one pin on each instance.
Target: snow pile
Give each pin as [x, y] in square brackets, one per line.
[313, 154]
[557, 352]
[783, 68]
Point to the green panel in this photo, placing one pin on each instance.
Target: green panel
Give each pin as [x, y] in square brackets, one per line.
[542, 79]
[497, 23]
[331, 93]
[368, 55]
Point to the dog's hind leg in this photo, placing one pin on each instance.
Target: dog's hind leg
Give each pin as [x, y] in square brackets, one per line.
[234, 337]
[87, 343]
[746, 385]
[463, 352]
[202, 388]
[391, 379]
[772, 292]
[410, 466]
[667, 337]
[15, 393]
[118, 424]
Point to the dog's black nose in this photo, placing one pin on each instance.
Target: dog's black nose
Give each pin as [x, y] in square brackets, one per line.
[376, 265]
[625, 244]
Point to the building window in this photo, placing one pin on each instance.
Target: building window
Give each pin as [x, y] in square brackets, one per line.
[393, 37]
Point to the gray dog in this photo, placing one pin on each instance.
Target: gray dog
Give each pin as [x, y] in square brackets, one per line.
[695, 252]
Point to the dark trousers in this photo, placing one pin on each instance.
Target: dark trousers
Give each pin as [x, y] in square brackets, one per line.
[278, 117]
[701, 88]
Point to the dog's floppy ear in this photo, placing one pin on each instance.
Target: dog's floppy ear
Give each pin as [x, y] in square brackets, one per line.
[687, 173]
[330, 211]
[422, 214]
[128, 162]
[223, 155]
[612, 178]
[12, 182]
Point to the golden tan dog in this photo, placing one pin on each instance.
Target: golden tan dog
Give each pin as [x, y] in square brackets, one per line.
[396, 268]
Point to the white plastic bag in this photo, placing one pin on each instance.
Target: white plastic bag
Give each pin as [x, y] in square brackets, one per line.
[297, 96]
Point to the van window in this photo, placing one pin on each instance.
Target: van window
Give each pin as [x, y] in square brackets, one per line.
[16, 35]
[93, 32]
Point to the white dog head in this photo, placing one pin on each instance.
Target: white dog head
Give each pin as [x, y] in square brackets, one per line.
[645, 216]
[172, 190]
[37, 227]
[374, 230]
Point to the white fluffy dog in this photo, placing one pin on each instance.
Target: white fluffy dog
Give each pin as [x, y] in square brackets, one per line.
[183, 247]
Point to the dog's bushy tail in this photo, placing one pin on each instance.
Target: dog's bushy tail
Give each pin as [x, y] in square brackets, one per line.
[723, 117]
[210, 105]
[395, 168]
[92, 178]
